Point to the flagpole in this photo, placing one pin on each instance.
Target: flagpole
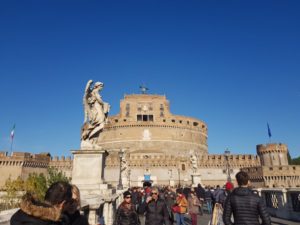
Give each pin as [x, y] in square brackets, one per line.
[11, 145]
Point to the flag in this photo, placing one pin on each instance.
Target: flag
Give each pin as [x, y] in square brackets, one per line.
[12, 133]
[269, 131]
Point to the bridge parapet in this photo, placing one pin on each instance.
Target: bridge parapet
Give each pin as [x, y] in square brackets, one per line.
[281, 202]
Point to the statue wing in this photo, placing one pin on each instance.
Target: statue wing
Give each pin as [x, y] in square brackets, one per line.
[87, 92]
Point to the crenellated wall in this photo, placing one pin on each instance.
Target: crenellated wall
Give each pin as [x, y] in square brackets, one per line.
[273, 154]
[21, 164]
[274, 176]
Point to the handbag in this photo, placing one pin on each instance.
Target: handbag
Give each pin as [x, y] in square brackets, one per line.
[176, 209]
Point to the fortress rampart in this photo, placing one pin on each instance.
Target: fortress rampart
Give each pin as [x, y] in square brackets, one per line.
[21, 164]
[273, 154]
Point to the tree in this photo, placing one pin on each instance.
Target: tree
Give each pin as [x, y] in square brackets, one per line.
[36, 184]
[296, 161]
[54, 175]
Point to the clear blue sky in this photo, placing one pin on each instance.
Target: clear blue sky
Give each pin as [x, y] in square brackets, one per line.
[233, 64]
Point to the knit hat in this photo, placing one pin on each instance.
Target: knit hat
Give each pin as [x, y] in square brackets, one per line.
[229, 186]
[126, 193]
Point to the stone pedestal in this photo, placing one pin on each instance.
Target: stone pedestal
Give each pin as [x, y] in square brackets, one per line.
[87, 172]
[172, 183]
[196, 179]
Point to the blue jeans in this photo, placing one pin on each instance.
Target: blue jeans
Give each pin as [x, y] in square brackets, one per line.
[209, 206]
[180, 219]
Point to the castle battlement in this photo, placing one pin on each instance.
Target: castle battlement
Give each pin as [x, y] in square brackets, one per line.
[271, 148]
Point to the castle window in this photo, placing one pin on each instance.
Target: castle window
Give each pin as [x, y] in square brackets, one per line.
[116, 120]
[127, 114]
[161, 114]
[173, 121]
[161, 107]
[180, 121]
[183, 167]
[280, 168]
[127, 106]
[187, 122]
[139, 118]
[195, 124]
[145, 117]
[164, 120]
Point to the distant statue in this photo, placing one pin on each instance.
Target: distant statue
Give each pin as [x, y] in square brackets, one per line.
[95, 114]
[193, 160]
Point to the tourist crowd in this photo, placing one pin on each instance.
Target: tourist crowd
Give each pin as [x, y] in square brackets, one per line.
[156, 205]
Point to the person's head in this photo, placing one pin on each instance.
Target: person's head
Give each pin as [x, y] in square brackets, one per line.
[242, 178]
[179, 192]
[98, 85]
[74, 205]
[127, 196]
[59, 193]
[154, 193]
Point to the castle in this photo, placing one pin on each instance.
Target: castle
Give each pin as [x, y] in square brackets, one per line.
[165, 149]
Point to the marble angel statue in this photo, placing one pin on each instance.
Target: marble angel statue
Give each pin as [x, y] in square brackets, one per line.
[95, 114]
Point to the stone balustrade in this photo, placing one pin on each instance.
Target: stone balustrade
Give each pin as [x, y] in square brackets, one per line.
[282, 203]
[106, 209]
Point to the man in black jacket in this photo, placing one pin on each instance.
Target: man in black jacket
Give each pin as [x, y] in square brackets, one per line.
[245, 205]
[155, 209]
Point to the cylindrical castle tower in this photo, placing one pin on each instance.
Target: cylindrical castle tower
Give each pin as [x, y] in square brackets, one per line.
[273, 154]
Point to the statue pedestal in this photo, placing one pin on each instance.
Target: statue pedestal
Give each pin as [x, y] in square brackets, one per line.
[87, 172]
[171, 183]
[196, 179]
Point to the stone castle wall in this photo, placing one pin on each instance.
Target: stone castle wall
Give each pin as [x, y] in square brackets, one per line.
[21, 164]
[273, 154]
[274, 176]
[145, 123]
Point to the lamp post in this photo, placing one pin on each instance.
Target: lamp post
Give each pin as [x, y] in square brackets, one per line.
[178, 169]
[227, 154]
[120, 185]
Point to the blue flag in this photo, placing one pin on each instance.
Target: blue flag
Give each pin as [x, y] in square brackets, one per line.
[269, 131]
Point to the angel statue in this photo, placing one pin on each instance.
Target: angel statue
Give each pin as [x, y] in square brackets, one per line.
[95, 114]
[193, 159]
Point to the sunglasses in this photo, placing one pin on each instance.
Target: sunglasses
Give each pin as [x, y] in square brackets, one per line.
[154, 193]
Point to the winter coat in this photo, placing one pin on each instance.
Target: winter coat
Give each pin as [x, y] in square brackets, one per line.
[246, 207]
[193, 205]
[126, 215]
[156, 212]
[74, 219]
[35, 213]
[182, 203]
[170, 198]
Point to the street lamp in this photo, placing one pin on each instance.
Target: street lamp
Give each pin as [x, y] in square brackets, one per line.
[120, 185]
[227, 154]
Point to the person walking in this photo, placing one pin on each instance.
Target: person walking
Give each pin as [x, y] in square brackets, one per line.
[193, 207]
[155, 209]
[126, 213]
[182, 204]
[245, 205]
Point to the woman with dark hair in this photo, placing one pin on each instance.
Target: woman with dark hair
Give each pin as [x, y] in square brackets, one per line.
[49, 212]
[126, 213]
[72, 215]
